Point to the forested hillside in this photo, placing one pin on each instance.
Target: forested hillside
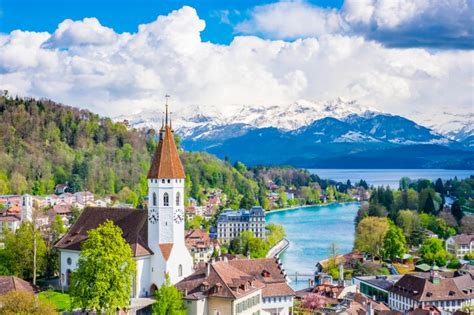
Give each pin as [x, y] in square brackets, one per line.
[43, 143]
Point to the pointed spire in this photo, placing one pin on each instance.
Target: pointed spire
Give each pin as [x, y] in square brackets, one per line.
[166, 115]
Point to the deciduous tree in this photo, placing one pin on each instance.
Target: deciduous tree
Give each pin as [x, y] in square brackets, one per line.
[370, 235]
[169, 301]
[103, 279]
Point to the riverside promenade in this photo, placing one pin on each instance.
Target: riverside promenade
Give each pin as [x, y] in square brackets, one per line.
[279, 247]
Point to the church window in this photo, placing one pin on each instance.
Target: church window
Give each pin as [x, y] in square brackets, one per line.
[177, 198]
[69, 260]
[154, 199]
[166, 200]
[169, 181]
[163, 181]
[180, 270]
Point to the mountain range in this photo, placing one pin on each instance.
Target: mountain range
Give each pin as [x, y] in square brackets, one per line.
[335, 134]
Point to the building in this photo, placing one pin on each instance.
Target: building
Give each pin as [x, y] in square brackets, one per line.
[231, 223]
[238, 286]
[450, 292]
[11, 283]
[460, 245]
[200, 245]
[155, 235]
[376, 288]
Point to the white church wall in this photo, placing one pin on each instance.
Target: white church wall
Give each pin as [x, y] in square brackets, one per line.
[68, 263]
[142, 277]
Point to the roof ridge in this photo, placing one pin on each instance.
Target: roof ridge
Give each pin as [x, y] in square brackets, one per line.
[219, 276]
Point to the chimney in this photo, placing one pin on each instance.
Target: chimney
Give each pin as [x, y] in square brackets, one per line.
[208, 270]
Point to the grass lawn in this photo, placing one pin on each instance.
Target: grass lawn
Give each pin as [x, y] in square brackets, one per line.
[60, 300]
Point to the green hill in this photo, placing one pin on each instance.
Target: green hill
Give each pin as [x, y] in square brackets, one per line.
[43, 143]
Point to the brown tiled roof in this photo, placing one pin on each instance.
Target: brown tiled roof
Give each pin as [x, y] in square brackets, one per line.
[133, 223]
[463, 239]
[197, 239]
[421, 289]
[166, 250]
[223, 280]
[166, 162]
[11, 283]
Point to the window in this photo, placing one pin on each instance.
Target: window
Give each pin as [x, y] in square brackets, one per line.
[154, 199]
[166, 200]
[180, 270]
[69, 261]
[177, 198]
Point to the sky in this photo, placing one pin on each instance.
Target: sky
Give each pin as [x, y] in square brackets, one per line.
[117, 57]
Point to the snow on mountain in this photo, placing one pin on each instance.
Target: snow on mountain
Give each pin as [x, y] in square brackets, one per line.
[208, 118]
[454, 126]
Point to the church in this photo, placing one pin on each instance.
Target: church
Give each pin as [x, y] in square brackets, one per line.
[155, 235]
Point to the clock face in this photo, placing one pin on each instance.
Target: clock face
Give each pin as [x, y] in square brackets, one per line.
[178, 216]
[153, 216]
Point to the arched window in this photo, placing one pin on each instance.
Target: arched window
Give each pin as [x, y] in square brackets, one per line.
[154, 199]
[180, 270]
[177, 198]
[166, 200]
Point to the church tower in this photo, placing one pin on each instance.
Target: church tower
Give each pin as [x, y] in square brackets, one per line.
[166, 211]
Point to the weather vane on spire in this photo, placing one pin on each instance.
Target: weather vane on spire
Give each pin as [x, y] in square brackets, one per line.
[166, 119]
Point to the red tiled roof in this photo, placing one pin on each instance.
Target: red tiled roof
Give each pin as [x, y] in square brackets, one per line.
[166, 250]
[166, 162]
[11, 283]
[133, 223]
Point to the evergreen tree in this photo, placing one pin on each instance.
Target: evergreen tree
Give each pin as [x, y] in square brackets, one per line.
[456, 211]
[429, 205]
[439, 187]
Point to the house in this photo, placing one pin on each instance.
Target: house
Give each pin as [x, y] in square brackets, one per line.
[155, 235]
[12, 283]
[83, 196]
[448, 292]
[238, 286]
[460, 245]
[101, 203]
[9, 221]
[348, 260]
[376, 287]
[200, 245]
[231, 223]
[61, 189]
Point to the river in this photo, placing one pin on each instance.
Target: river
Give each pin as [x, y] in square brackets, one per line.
[390, 177]
[310, 231]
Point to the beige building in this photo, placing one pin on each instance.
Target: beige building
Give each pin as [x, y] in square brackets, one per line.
[238, 286]
[199, 245]
[460, 245]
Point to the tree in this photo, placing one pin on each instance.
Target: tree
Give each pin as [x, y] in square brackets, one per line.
[56, 230]
[20, 302]
[429, 201]
[370, 235]
[457, 211]
[313, 301]
[394, 243]
[433, 252]
[429, 205]
[19, 251]
[439, 187]
[103, 279]
[169, 301]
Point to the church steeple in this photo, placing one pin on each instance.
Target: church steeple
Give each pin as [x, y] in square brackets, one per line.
[166, 162]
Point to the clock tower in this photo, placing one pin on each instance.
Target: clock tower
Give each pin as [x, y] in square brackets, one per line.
[166, 211]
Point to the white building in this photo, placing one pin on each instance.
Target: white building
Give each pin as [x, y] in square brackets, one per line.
[156, 235]
[460, 245]
[231, 223]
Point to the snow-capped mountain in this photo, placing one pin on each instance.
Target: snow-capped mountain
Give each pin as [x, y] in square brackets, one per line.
[327, 134]
[209, 121]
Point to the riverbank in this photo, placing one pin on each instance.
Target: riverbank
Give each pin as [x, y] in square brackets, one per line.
[279, 247]
[311, 206]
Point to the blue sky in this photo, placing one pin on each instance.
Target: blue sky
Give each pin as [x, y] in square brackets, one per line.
[125, 16]
[413, 58]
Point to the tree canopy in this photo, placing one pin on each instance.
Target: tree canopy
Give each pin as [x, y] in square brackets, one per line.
[103, 279]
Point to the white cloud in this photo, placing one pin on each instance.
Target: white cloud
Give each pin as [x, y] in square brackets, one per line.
[396, 23]
[134, 71]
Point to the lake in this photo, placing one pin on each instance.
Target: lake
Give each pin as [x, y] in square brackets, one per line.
[310, 231]
[390, 177]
